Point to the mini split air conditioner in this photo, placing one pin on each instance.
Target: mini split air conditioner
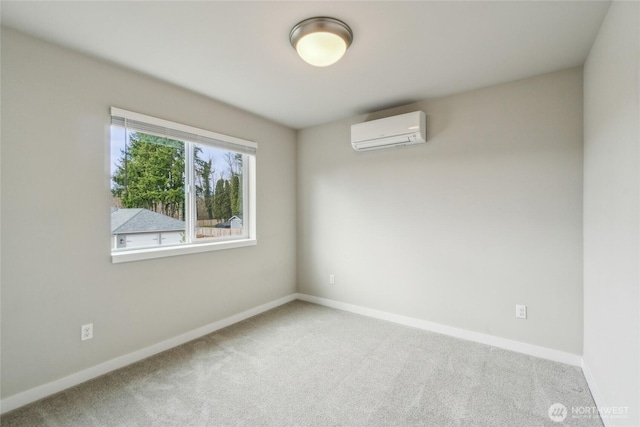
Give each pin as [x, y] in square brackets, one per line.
[405, 129]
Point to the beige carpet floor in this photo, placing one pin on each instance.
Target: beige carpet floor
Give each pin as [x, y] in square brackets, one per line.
[306, 365]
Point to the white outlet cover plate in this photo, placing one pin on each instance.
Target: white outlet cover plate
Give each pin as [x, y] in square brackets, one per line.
[521, 311]
[86, 331]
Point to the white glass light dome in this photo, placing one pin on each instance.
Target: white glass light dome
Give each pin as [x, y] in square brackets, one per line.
[321, 41]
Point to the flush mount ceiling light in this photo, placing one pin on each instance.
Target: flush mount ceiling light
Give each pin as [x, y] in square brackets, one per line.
[321, 41]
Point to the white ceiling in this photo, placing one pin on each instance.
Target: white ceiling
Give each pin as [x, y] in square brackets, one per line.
[403, 51]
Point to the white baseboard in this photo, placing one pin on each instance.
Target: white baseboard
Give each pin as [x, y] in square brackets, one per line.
[17, 400]
[507, 344]
[595, 392]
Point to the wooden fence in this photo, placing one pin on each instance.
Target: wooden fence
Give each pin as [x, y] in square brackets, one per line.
[202, 232]
[207, 222]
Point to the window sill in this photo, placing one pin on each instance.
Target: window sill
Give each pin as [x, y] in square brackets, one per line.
[152, 253]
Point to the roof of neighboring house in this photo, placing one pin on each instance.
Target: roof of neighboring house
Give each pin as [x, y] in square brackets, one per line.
[142, 221]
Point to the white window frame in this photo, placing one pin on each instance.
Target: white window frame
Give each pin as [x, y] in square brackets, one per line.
[190, 136]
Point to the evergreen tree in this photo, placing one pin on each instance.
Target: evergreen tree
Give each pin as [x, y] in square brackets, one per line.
[218, 204]
[239, 204]
[226, 199]
[205, 171]
[150, 175]
[236, 208]
[222, 200]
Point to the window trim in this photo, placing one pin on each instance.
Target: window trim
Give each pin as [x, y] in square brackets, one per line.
[193, 248]
[166, 128]
[198, 136]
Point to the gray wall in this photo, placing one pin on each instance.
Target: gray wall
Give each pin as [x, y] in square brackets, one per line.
[611, 210]
[487, 215]
[56, 269]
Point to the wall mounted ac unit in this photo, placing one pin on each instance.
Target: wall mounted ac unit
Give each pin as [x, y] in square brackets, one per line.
[405, 129]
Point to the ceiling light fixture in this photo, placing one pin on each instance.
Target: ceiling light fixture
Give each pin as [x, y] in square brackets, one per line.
[321, 41]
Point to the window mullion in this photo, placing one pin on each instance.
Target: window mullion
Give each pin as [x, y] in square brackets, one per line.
[190, 197]
[245, 196]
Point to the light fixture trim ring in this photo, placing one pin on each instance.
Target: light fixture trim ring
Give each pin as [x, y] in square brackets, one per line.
[321, 24]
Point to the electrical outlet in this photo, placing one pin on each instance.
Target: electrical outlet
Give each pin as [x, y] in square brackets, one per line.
[521, 311]
[332, 279]
[86, 331]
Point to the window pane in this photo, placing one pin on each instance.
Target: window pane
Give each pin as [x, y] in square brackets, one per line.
[219, 193]
[147, 187]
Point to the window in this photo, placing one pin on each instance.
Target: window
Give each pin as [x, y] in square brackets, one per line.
[176, 189]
